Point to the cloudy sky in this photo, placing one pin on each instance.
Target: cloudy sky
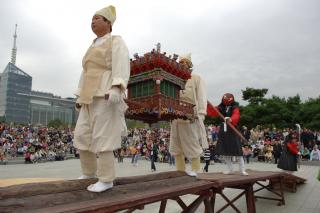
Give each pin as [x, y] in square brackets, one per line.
[273, 44]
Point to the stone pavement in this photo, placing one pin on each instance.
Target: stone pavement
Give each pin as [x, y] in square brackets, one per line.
[305, 200]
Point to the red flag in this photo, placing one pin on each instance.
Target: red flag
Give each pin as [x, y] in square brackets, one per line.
[211, 110]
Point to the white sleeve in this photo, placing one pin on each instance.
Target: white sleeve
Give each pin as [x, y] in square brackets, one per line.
[120, 63]
[201, 96]
[77, 92]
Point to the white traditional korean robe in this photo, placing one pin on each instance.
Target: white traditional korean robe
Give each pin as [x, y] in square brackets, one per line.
[100, 123]
[189, 138]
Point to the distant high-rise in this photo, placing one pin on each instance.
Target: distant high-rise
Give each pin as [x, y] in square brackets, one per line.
[14, 107]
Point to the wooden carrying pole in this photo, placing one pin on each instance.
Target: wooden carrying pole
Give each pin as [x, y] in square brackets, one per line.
[211, 107]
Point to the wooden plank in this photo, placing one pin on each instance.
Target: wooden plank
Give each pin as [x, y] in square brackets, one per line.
[30, 189]
[237, 179]
[131, 200]
[75, 185]
[122, 196]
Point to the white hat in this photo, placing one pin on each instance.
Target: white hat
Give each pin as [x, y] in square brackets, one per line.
[108, 12]
[185, 57]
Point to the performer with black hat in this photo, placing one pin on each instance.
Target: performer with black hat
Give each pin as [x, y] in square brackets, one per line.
[229, 144]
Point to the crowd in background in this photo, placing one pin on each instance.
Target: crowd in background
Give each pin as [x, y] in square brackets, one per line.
[35, 144]
[266, 144]
[263, 145]
[39, 144]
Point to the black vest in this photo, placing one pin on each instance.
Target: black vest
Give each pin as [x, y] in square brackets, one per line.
[226, 111]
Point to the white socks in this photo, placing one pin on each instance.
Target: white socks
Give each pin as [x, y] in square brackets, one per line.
[242, 170]
[241, 167]
[228, 160]
[100, 186]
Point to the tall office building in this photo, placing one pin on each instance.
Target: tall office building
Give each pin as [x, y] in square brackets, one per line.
[21, 105]
[15, 107]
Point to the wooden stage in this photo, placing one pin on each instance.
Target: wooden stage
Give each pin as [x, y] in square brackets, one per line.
[131, 193]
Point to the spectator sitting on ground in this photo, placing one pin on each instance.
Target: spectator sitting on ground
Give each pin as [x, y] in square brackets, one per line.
[268, 156]
[256, 151]
[315, 154]
[305, 153]
[268, 153]
[247, 152]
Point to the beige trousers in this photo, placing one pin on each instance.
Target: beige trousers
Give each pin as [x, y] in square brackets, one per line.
[181, 164]
[184, 139]
[103, 166]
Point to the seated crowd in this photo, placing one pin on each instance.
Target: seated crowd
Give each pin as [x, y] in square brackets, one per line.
[38, 144]
[35, 143]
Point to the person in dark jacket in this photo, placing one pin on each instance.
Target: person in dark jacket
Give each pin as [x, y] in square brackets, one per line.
[289, 157]
[277, 149]
[207, 158]
[229, 144]
[153, 156]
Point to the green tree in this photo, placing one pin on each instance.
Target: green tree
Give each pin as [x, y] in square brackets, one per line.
[279, 112]
[56, 123]
[254, 96]
[310, 113]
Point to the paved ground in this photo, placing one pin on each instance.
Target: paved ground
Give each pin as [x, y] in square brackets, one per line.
[305, 200]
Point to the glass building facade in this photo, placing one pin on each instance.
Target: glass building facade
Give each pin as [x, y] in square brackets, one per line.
[14, 107]
[46, 107]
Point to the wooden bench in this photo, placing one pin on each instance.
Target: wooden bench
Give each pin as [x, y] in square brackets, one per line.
[129, 193]
[290, 182]
[245, 183]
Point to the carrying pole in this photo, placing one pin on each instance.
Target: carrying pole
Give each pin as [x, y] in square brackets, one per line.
[299, 135]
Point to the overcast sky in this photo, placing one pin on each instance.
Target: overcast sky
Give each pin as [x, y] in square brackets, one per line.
[273, 44]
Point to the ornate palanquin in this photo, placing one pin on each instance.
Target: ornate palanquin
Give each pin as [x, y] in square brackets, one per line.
[154, 88]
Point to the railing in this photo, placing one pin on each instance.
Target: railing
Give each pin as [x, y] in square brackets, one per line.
[158, 107]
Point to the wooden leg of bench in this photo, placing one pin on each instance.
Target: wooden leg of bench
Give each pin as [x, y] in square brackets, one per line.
[180, 202]
[133, 209]
[251, 208]
[281, 191]
[194, 205]
[163, 206]
[207, 206]
[230, 202]
[213, 200]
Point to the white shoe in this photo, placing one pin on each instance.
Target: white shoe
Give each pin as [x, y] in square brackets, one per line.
[100, 186]
[244, 173]
[228, 172]
[86, 177]
[192, 173]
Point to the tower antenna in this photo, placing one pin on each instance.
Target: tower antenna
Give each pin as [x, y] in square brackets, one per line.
[14, 49]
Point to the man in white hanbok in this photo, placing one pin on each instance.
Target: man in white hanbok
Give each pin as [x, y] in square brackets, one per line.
[102, 85]
[188, 138]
